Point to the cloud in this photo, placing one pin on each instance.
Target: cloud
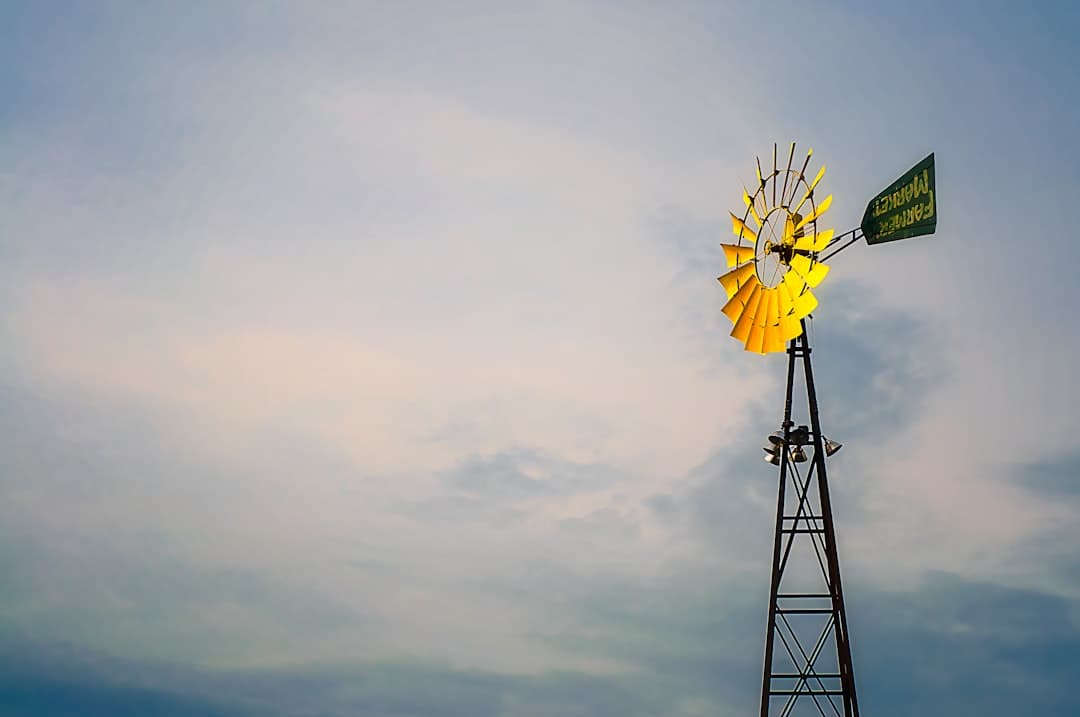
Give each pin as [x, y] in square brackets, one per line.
[113, 524]
[526, 473]
[958, 646]
[1057, 477]
[692, 644]
[636, 626]
[456, 509]
[48, 680]
[479, 303]
[1049, 555]
[874, 366]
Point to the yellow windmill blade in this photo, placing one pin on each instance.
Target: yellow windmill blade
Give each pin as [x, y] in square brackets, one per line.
[810, 190]
[736, 254]
[818, 211]
[815, 242]
[804, 304]
[822, 240]
[746, 320]
[750, 205]
[741, 230]
[795, 285]
[774, 340]
[766, 307]
[774, 332]
[735, 306]
[755, 340]
[735, 278]
[813, 272]
[790, 327]
[764, 320]
[785, 301]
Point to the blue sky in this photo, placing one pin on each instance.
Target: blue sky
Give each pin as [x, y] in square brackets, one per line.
[368, 359]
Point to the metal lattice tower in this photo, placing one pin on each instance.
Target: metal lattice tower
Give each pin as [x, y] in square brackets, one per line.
[807, 667]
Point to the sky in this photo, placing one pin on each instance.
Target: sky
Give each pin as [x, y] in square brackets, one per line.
[367, 359]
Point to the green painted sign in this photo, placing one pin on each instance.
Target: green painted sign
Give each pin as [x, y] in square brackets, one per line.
[908, 208]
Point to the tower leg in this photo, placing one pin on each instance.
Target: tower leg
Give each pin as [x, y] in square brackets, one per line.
[807, 667]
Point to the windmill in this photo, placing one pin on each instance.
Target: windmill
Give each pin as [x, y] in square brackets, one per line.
[777, 262]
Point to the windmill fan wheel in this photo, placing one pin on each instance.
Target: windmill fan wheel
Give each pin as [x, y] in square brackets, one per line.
[774, 266]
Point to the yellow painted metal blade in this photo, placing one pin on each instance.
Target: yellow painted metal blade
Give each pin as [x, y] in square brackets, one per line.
[735, 278]
[737, 303]
[823, 207]
[737, 254]
[741, 230]
[764, 318]
[810, 189]
[805, 303]
[766, 311]
[802, 300]
[789, 229]
[818, 211]
[774, 340]
[756, 340]
[795, 284]
[812, 271]
[746, 320]
[822, 240]
[749, 202]
[815, 242]
[783, 299]
[790, 327]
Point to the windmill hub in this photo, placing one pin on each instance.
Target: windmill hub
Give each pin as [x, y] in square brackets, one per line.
[783, 252]
[773, 247]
